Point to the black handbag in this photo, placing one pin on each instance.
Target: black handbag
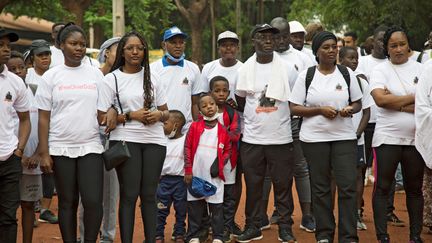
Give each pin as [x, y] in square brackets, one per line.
[118, 153]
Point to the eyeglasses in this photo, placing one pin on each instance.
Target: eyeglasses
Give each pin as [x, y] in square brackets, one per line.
[132, 48]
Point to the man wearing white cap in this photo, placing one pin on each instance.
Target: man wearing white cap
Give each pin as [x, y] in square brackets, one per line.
[180, 77]
[298, 33]
[227, 66]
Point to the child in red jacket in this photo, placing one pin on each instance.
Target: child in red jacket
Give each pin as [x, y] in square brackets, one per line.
[229, 118]
[207, 150]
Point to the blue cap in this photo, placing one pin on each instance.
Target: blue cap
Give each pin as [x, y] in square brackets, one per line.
[173, 31]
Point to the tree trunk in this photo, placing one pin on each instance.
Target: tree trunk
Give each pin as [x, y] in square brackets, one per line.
[77, 8]
[196, 14]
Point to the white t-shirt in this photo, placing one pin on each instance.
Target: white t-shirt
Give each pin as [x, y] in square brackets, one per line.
[296, 58]
[71, 94]
[13, 98]
[130, 88]
[32, 77]
[310, 54]
[33, 139]
[367, 102]
[366, 66]
[180, 83]
[326, 90]
[266, 121]
[416, 55]
[57, 57]
[395, 127]
[174, 160]
[214, 68]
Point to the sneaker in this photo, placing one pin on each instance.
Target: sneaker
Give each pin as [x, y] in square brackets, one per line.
[416, 240]
[308, 223]
[217, 241]
[236, 230]
[194, 240]
[360, 224]
[227, 236]
[323, 241]
[286, 235]
[250, 234]
[48, 217]
[159, 239]
[179, 239]
[37, 207]
[393, 220]
[384, 240]
[274, 219]
[203, 235]
[265, 224]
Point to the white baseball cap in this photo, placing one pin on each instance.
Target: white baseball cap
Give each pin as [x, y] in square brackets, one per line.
[227, 35]
[296, 27]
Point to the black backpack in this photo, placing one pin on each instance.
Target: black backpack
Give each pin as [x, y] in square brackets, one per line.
[344, 70]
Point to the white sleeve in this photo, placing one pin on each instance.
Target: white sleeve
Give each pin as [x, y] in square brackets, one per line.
[355, 91]
[292, 76]
[44, 94]
[367, 100]
[205, 83]
[377, 79]
[423, 106]
[197, 88]
[298, 93]
[160, 91]
[106, 94]
[22, 102]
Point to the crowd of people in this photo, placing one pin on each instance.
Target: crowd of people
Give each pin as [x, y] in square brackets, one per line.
[307, 105]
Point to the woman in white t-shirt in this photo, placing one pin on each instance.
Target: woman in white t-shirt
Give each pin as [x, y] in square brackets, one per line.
[328, 137]
[393, 87]
[142, 110]
[69, 141]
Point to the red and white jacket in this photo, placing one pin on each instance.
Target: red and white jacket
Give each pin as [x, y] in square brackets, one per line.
[191, 144]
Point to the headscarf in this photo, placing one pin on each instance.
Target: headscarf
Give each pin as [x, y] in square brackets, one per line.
[107, 44]
[319, 38]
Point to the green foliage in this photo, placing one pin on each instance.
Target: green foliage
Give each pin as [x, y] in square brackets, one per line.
[363, 16]
[45, 9]
[149, 17]
[100, 12]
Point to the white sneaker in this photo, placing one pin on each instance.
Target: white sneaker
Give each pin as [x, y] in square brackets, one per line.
[217, 241]
[194, 240]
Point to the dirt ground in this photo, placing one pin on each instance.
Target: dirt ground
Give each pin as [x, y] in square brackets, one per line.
[46, 233]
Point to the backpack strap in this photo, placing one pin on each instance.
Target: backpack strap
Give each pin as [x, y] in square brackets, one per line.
[230, 112]
[420, 57]
[309, 77]
[346, 76]
[359, 76]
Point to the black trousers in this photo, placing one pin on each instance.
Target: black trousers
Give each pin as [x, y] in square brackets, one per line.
[74, 177]
[388, 158]
[195, 218]
[279, 159]
[139, 176]
[10, 174]
[229, 206]
[339, 157]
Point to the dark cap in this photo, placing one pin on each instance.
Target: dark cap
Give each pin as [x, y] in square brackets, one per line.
[39, 46]
[262, 28]
[11, 35]
[319, 38]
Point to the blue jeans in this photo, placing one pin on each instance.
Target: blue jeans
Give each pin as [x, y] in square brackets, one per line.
[171, 190]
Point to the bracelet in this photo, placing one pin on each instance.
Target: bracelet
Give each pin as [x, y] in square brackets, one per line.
[127, 116]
